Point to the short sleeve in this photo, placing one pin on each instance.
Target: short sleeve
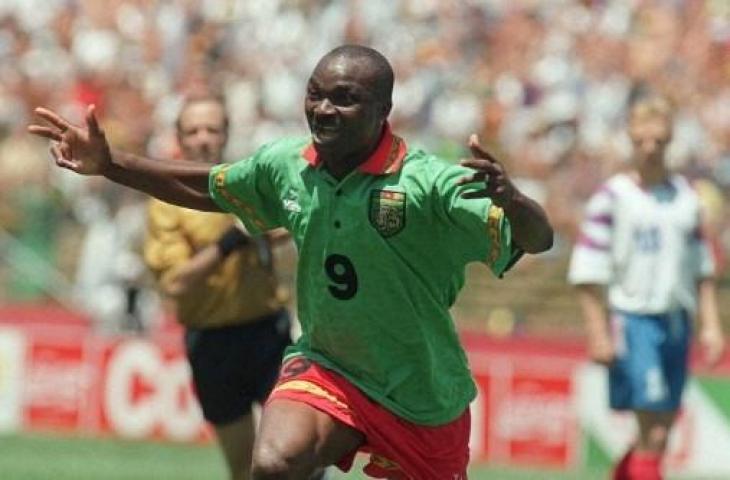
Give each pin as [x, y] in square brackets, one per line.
[477, 229]
[247, 189]
[590, 262]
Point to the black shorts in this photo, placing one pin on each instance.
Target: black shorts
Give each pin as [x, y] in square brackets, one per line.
[237, 365]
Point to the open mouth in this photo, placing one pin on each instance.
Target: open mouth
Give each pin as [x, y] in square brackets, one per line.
[324, 133]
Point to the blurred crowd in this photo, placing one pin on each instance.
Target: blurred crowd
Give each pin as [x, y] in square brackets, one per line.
[546, 84]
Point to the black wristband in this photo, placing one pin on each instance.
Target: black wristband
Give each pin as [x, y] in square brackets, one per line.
[232, 239]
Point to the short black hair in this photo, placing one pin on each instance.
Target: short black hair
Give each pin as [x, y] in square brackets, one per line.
[380, 65]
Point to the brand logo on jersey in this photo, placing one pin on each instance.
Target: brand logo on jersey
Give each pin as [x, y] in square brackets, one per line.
[291, 202]
[384, 463]
[293, 367]
[292, 205]
[387, 211]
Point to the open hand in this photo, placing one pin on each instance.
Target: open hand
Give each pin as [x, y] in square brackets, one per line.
[82, 149]
[497, 184]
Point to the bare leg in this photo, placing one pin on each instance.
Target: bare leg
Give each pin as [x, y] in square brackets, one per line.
[643, 460]
[236, 440]
[654, 431]
[296, 441]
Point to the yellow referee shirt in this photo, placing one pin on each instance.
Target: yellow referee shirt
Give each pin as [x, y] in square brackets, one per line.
[242, 289]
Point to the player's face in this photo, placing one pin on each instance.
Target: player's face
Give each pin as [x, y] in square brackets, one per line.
[202, 131]
[344, 111]
[650, 137]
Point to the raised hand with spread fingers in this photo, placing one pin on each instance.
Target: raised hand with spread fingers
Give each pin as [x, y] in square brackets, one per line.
[83, 149]
[530, 229]
[489, 170]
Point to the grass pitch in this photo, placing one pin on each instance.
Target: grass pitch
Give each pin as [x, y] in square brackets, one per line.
[51, 457]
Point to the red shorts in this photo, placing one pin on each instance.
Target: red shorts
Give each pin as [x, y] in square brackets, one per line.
[399, 450]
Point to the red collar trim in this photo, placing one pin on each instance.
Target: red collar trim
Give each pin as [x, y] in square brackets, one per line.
[387, 158]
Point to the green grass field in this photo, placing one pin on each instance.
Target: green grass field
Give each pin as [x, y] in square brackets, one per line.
[49, 457]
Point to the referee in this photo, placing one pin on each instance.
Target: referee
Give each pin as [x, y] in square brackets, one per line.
[225, 292]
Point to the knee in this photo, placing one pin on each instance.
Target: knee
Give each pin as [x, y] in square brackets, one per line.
[276, 462]
[269, 465]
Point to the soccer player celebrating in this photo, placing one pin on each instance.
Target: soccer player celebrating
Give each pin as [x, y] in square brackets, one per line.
[225, 292]
[641, 238]
[384, 233]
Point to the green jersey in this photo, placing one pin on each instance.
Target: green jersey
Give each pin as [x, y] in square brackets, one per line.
[382, 254]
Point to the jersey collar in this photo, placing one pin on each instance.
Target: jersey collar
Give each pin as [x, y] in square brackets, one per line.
[387, 158]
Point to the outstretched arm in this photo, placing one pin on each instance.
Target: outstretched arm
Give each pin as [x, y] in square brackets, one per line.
[85, 150]
[531, 230]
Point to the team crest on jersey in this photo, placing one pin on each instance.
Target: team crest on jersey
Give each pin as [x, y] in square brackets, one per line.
[387, 211]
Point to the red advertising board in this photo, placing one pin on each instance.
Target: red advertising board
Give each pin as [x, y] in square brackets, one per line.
[146, 392]
[127, 386]
[57, 384]
[140, 388]
[524, 410]
[69, 378]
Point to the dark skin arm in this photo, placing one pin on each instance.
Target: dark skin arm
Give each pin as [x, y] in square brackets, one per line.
[85, 150]
[531, 229]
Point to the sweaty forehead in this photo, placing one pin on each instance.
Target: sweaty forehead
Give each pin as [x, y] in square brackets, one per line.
[654, 124]
[343, 69]
[201, 112]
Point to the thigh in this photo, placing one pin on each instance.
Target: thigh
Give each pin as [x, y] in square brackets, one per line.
[209, 356]
[399, 449]
[659, 362]
[637, 378]
[234, 366]
[675, 355]
[620, 390]
[266, 363]
[303, 434]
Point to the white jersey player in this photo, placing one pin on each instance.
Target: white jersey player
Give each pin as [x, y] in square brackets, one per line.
[641, 240]
[645, 244]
